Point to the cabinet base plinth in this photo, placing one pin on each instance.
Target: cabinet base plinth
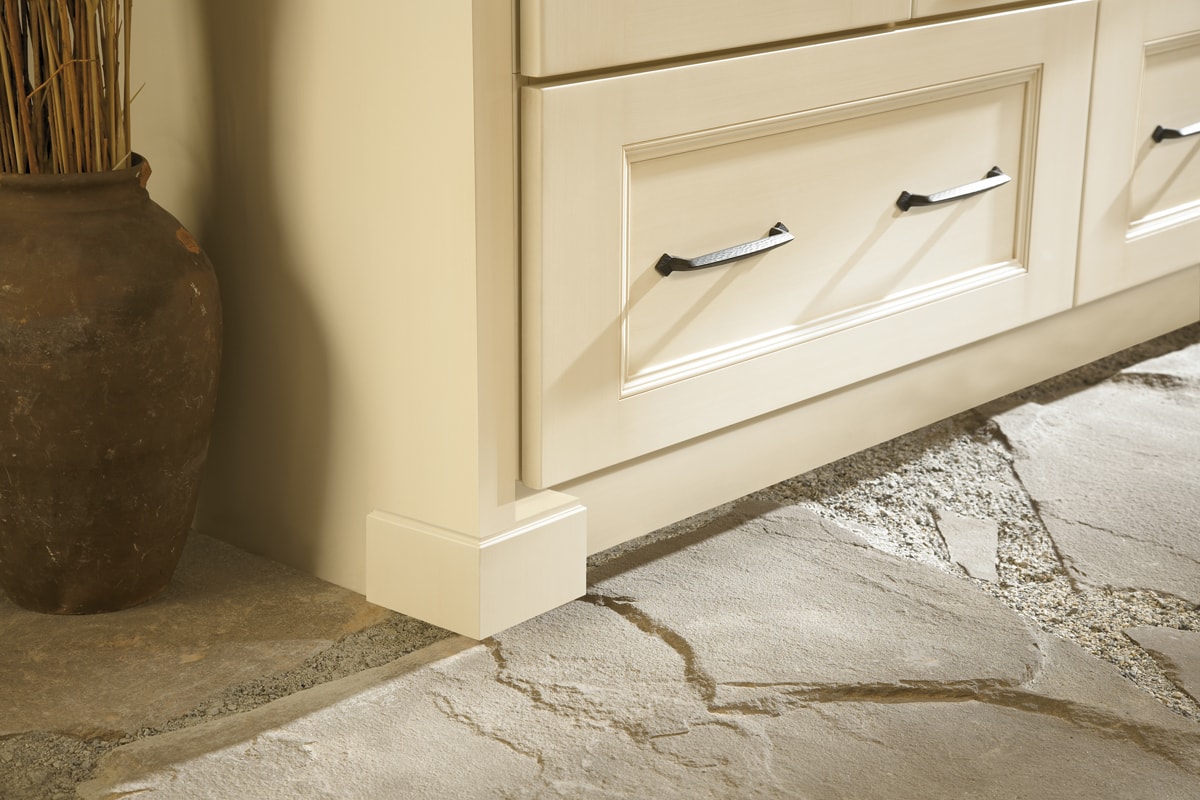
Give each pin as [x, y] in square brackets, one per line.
[478, 586]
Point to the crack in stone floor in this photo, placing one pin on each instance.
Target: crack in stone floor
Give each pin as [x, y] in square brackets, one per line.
[890, 496]
[870, 492]
[790, 697]
[824, 700]
[627, 609]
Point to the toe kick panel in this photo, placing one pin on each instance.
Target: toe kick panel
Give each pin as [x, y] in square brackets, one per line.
[708, 243]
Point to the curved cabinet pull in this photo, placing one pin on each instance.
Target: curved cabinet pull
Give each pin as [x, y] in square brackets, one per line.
[995, 178]
[1161, 133]
[778, 235]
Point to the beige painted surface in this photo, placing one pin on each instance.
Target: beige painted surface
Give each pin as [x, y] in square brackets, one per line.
[929, 8]
[693, 159]
[348, 167]
[561, 36]
[1141, 207]
[276, 132]
[741, 459]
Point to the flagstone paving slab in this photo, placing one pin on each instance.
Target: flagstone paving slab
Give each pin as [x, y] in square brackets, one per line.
[763, 605]
[591, 663]
[226, 618]
[972, 542]
[1177, 651]
[414, 745]
[381, 733]
[593, 701]
[1075, 685]
[1120, 501]
[1182, 364]
[848, 751]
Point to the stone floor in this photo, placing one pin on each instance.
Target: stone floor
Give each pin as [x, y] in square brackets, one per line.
[1003, 605]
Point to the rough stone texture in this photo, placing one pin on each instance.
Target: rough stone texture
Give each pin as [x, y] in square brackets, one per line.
[604, 699]
[1177, 651]
[762, 605]
[944, 750]
[1093, 482]
[516, 746]
[972, 542]
[227, 617]
[1182, 364]
[385, 732]
[618, 696]
[595, 677]
[1074, 685]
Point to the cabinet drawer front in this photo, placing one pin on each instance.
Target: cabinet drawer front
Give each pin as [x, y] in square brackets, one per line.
[561, 36]
[834, 178]
[621, 360]
[1166, 176]
[929, 8]
[1142, 205]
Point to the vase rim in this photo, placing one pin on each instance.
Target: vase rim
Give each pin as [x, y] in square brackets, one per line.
[65, 180]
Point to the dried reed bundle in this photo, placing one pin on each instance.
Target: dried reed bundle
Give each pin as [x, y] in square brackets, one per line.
[64, 65]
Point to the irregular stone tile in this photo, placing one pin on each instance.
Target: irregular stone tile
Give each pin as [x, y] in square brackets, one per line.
[972, 542]
[1177, 652]
[1075, 679]
[379, 733]
[579, 662]
[449, 722]
[906, 751]
[227, 618]
[435, 724]
[1183, 364]
[772, 599]
[582, 756]
[1119, 500]
[618, 712]
[590, 663]
[1077, 686]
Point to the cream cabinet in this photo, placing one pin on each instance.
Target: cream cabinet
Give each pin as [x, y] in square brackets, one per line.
[620, 172]
[930, 8]
[1142, 204]
[561, 36]
[708, 245]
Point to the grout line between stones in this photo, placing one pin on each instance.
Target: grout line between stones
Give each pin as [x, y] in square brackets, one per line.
[693, 675]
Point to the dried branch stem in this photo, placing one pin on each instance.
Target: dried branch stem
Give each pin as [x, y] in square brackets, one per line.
[64, 66]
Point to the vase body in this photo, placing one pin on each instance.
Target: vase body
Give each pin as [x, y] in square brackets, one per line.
[110, 345]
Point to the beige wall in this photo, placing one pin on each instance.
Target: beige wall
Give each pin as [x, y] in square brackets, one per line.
[281, 132]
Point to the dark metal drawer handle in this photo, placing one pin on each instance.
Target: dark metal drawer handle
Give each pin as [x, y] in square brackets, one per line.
[778, 235]
[995, 178]
[1161, 133]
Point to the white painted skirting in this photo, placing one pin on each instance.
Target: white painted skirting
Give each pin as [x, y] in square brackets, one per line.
[478, 586]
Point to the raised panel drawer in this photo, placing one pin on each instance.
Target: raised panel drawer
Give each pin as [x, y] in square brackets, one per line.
[561, 36]
[621, 360]
[1142, 203]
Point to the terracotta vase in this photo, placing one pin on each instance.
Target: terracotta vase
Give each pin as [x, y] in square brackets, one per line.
[110, 345]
